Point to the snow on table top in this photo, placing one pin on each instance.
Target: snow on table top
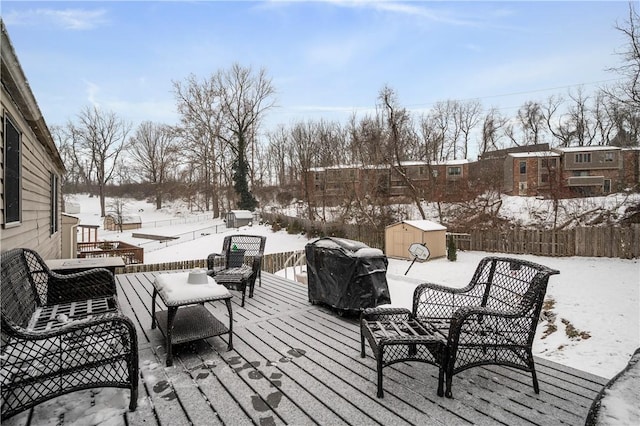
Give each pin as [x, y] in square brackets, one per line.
[175, 290]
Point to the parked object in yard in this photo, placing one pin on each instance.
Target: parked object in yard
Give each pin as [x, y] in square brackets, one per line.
[346, 275]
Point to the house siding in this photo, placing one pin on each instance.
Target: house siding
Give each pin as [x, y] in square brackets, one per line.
[39, 158]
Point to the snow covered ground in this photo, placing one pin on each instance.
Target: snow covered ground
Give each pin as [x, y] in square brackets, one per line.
[595, 299]
[596, 296]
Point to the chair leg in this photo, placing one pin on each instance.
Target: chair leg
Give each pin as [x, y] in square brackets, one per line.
[362, 354]
[379, 368]
[535, 379]
[134, 398]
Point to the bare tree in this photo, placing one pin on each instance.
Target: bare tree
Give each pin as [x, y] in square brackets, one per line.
[304, 146]
[492, 124]
[467, 115]
[628, 91]
[200, 124]
[100, 135]
[244, 98]
[154, 147]
[528, 126]
[400, 136]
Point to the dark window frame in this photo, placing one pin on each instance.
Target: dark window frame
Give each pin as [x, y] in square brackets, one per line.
[54, 216]
[12, 173]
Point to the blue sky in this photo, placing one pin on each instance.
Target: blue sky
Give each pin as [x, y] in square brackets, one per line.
[326, 58]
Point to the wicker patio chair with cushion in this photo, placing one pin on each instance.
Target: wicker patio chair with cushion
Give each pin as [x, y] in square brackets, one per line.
[239, 264]
[492, 320]
[61, 333]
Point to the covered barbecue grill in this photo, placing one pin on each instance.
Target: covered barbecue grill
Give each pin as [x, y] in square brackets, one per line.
[345, 274]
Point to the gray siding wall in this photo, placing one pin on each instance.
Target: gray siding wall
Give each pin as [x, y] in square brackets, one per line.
[34, 230]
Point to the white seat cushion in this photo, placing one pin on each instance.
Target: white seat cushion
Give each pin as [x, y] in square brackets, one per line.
[175, 289]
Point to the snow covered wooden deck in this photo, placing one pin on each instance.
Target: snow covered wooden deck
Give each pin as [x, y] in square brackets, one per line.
[296, 363]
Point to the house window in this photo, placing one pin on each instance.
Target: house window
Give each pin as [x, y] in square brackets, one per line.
[548, 163]
[54, 216]
[12, 173]
[607, 186]
[434, 172]
[454, 171]
[583, 157]
[608, 157]
[523, 167]
[544, 178]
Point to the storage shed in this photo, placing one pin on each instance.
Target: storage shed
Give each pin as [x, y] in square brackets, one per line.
[238, 218]
[129, 221]
[399, 236]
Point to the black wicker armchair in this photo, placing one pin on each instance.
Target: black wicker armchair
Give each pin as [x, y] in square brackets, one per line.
[61, 333]
[239, 264]
[492, 320]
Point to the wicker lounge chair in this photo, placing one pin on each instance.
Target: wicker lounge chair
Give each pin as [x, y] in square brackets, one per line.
[492, 320]
[239, 264]
[61, 333]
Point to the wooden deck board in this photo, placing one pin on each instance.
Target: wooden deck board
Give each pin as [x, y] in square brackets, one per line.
[296, 363]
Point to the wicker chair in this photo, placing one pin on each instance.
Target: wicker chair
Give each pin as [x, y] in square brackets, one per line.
[239, 264]
[492, 320]
[61, 333]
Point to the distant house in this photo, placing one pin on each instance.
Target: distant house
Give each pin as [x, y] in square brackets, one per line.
[592, 170]
[129, 221]
[30, 165]
[531, 173]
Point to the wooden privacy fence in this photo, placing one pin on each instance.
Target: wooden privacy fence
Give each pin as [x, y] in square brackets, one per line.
[366, 234]
[622, 242]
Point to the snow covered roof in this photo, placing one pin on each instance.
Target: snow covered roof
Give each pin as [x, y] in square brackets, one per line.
[540, 154]
[425, 225]
[242, 214]
[587, 148]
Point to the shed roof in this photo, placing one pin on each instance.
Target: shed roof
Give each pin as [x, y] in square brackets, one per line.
[242, 214]
[424, 225]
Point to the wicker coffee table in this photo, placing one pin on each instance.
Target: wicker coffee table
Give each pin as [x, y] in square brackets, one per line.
[396, 336]
[193, 321]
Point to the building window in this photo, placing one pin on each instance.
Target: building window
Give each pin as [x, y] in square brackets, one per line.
[54, 216]
[608, 157]
[454, 171]
[548, 163]
[607, 186]
[12, 173]
[523, 167]
[434, 172]
[544, 178]
[583, 157]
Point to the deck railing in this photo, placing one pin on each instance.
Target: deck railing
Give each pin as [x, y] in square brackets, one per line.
[130, 254]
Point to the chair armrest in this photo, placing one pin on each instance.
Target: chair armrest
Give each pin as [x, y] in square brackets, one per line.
[211, 261]
[90, 284]
[393, 314]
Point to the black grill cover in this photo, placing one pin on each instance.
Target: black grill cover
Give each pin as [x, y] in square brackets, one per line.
[346, 274]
